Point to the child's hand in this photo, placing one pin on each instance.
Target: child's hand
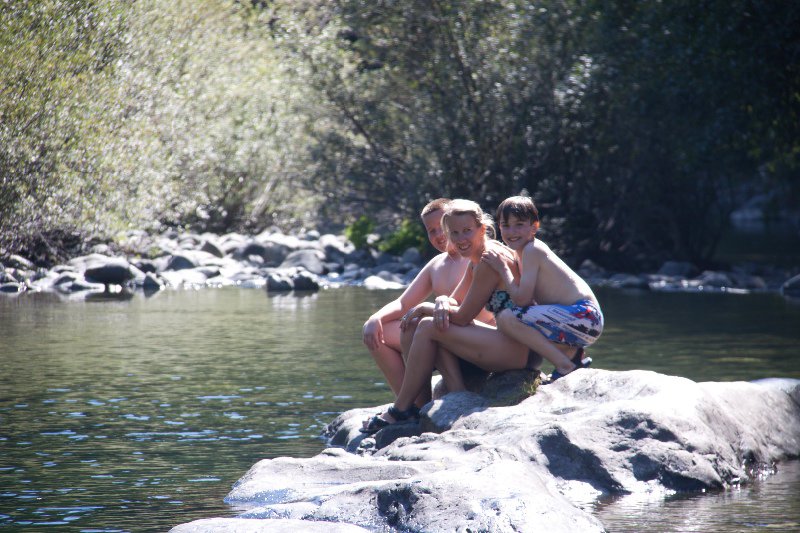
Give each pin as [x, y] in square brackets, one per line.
[494, 259]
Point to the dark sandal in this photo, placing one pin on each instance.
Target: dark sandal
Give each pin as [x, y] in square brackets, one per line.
[580, 360]
[376, 423]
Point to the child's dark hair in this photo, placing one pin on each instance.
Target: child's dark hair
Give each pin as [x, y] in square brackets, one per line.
[520, 206]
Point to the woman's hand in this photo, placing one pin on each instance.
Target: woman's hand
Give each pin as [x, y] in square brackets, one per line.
[441, 313]
[413, 315]
[372, 333]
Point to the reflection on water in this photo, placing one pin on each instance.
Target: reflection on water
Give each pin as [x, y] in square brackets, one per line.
[771, 504]
[137, 414]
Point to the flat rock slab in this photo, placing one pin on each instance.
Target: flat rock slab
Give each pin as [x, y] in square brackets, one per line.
[536, 465]
[244, 525]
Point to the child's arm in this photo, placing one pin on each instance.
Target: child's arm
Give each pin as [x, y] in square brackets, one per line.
[521, 292]
[416, 292]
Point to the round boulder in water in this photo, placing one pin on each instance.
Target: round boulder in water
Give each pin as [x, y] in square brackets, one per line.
[311, 260]
[112, 272]
[791, 289]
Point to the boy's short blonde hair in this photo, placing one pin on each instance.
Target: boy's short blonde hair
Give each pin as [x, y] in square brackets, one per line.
[440, 204]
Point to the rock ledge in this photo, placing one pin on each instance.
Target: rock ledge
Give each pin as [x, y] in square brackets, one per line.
[535, 466]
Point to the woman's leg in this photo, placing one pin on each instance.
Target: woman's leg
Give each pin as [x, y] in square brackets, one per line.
[479, 344]
[449, 366]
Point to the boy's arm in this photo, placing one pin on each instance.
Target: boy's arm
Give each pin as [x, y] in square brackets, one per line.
[522, 293]
[416, 292]
[484, 280]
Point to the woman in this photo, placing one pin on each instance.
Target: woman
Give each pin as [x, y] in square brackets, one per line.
[450, 326]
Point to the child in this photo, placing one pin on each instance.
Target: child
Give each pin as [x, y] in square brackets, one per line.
[553, 311]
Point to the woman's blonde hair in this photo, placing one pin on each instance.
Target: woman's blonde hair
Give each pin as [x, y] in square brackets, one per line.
[460, 206]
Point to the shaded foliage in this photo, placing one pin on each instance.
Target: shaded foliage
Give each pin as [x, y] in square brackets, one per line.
[117, 115]
[634, 124]
[637, 126]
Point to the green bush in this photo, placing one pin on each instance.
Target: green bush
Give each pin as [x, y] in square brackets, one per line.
[408, 235]
[358, 231]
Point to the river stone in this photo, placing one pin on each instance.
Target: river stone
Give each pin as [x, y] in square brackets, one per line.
[152, 283]
[192, 277]
[84, 262]
[11, 287]
[412, 255]
[627, 281]
[590, 269]
[279, 282]
[245, 525]
[305, 281]
[310, 260]
[533, 465]
[66, 277]
[747, 281]
[336, 247]
[180, 262]
[146, 265]
[791, 288]
[115, 271]
[272, 253]
[80, 285]
[711, 278]
[438, 494]
[377, 283]
[17, 261]
[679, 269]
[291, 242]
[212, 248]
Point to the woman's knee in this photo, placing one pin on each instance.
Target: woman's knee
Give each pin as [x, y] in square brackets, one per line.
[505, 318]
[426, 329]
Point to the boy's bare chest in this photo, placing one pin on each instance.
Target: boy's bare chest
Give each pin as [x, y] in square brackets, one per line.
[446, 276]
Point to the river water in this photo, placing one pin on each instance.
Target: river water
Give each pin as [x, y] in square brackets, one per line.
[137, 414]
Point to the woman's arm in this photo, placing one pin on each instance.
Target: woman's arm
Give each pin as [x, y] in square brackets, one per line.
[443, 303]
[484, 282]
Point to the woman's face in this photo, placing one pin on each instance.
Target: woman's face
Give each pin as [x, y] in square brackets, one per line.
[466, 235]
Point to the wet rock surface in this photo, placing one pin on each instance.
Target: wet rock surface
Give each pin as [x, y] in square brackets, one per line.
[534, 466]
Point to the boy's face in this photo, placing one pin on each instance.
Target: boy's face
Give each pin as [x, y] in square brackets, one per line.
[516, 232]
[433, 227]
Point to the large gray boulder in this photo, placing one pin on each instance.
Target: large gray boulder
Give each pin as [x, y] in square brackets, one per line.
[311, 260]
[531, 466]
[272, 253]
[245, 525]
[114, 271]
[791, 288]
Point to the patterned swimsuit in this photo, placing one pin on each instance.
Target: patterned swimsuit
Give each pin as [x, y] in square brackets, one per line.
[579, 324]
[499, 300]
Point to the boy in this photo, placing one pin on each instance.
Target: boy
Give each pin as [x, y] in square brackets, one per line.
[381, 333]
[556, 313]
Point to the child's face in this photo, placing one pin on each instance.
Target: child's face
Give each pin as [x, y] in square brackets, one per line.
[516, 232]
[433, 227]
